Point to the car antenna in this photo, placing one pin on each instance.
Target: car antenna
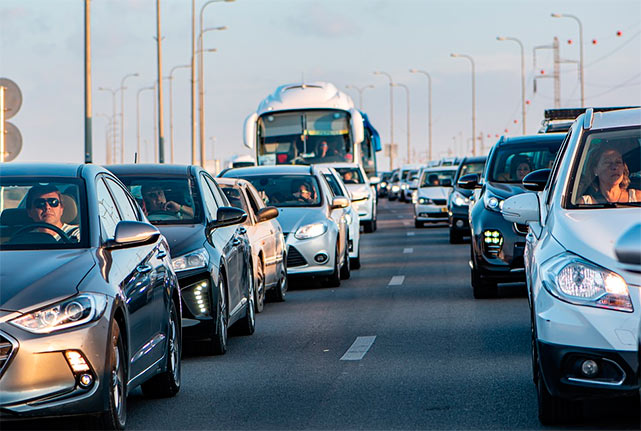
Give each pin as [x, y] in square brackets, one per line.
[136, 157]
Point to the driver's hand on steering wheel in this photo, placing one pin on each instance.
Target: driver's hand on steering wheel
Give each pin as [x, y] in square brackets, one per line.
[172, 206]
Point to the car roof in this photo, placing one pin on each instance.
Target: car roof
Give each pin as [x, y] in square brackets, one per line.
[440, 168]
[269, 170]
[612, 119]
[236, 182]
[474, 159]
[47, 169]
[530, 139]
[151, 169]
[339, 165]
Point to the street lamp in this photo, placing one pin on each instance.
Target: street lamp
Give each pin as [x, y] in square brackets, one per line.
[113, 140]
[407, 92]
[429, 106]
[152, 87]
[122, 116]
[391, 110]
[502, 38]
[473, 99]
[201, 92]
[566, 15]
[360, 93]
[171, 107]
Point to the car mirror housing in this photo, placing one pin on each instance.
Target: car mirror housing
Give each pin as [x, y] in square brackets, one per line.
[340, 202]
[266, 213]
[469, 181]
[536, 180]
[226, 216]
[133, 233]
[522, 208]
[627, 247]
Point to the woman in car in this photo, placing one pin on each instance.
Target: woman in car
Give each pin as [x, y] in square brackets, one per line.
[610, 178]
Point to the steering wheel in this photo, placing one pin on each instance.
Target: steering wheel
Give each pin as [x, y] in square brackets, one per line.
[162, 215]
[38, 225]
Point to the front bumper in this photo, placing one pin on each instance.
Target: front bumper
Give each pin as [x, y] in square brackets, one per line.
[301, 254]
[198, 319]
[430, 212]
[458, 219]
[364, 210]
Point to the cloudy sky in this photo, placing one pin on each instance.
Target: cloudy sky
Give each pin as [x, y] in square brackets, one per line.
[272, 42]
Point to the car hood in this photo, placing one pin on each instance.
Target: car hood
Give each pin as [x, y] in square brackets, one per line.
[434, 192]
[505, 190]
[33, 278]
[291, 219]
[592, 233]
[183, 238]
[356, 189]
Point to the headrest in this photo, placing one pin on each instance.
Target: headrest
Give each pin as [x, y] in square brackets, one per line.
[70, 210]
[14, 217]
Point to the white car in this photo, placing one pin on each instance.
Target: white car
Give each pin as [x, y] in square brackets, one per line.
[363, 192]
[430, 197]
[583, 287]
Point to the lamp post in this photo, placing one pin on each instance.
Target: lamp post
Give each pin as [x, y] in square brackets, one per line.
[429, 107]
[407, 92]
[473, 99]
[107, 137]
[171, 108]
[122, 115]
[360, 93]
[113, 92]
[566, 15]
[153, 87]
[193, 69]
[391, 110]
[502, 38]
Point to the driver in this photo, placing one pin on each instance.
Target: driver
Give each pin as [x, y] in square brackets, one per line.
[44, 205]
[304, 193]
[154, 200]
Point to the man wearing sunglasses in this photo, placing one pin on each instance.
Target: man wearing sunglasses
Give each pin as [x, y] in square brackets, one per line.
[44, 205]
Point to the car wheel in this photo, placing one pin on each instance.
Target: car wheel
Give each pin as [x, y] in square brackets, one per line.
[555, 410]
[369, 226]
[279, 292]
[334, 280]
[418, 224]
[116, 416]
[345, 269]
[482, 288]
[248, 324]
[218, 342]
[167, 384]
[455, 237]
[259, 289]
[356, 261]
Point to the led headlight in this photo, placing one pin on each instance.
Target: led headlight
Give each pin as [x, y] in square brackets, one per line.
[414, 197]
[310, 231]
[459, 200]
[404, 186]
[492, 203]
[71, 312]
[383, 184]
[395, 188]
[572, 279]
[192, 260]
[424, 201]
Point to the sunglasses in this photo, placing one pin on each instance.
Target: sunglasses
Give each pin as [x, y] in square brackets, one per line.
[41, 203]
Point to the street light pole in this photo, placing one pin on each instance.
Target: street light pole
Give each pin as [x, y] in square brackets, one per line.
[122, 115]
[360, 93]
[153, 87]
[502, 38]
[87, 73]
[429, 107]
[581, 70]
[171, 108]
[112, 157]
[391, 110]
[407, 92]
[473, 99]
[161, 122]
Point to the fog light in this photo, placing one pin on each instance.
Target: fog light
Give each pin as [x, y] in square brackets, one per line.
[320, 258]
[76, 361]
[85, 380]
[589, 368]
[459, 223]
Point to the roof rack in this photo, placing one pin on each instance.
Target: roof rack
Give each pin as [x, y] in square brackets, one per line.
[572, 113]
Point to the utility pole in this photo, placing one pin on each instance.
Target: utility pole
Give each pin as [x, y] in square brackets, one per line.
[556, 75]
[88, 144]
[161, 128]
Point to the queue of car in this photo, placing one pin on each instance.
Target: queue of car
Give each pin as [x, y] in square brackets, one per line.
[130, 263]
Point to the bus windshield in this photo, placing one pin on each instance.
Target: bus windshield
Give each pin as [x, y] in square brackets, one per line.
[304, 137]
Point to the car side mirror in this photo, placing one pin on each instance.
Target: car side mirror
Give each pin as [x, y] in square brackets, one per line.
[374, 181]
[266, 213]
[627, 247]
[469, 181]
[522, 208]
[340, 202]
[536, 180]
[446, 182]
[133, 233]
[226, 216]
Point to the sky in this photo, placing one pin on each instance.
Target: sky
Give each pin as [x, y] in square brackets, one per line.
[268, 43]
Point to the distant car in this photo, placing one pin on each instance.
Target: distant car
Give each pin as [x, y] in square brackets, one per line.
[430, 197]
[583, 264]
[458, 201]
[407, 174]
[314, 222]
[394, 185]
[90, 305]
[497, 245]
[210, 249]
[265, 237]
[383, 185]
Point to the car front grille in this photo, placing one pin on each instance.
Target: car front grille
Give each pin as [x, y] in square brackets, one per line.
[439, 201]
[294, 258]
[521, 228]
[6, 350]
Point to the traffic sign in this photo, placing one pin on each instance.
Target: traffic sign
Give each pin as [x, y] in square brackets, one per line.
[12, 141]
[12, 97]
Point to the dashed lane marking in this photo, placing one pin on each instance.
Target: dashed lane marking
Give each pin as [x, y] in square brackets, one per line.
[408, 250]
[397, 280]
[359, 348]
[410, 234]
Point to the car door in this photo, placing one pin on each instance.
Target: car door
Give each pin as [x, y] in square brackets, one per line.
[338, 215]
[265, 234]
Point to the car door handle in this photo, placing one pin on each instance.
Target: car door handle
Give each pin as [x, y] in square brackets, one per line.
[242, 230]
[143, 269]
[161, 254]
[236, 241]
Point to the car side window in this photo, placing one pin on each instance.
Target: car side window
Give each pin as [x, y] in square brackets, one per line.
[218, 194]
[126, 206]
[208, 197]
[107, 211]
[252, 200]
[555, 168]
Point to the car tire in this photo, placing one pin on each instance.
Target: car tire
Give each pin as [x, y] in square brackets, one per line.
[259, 288]
[455, 237]
[418, 224]
[279, 292]
[482, 289]
[356, 261]
[369, 226]
[167, 383]
[334, 280]
[346, 267]
[115, 417]
[555, 410]
[218, 342]
[247, 325]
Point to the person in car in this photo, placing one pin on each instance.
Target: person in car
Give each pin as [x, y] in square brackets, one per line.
[44, 205]
[304, 193]
[154, 200]
[432, 180]
[348, 177]
[519, 167]
[522, 169]
[611, 178]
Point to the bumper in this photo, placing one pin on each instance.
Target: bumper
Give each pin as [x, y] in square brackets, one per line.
[430, 212]
[364, 210]
[197, 320]
[38, 381]
[458, 219]
[303, 255]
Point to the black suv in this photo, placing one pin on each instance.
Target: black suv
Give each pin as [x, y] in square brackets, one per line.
[459, 199]
[497, 245]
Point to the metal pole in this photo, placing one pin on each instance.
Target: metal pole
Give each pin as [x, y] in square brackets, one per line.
[193, 82]
[473, 100]
[391, 106]
[161, 125]
[2, 90]
[360, 90]
[581, 69]
[500, 38]
[155, 124]
[429, 108]
[88, 142]
[122, 116]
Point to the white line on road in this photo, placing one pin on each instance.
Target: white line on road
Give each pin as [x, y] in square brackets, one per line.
[408, 250]
[406, 223]
[400, 216]
[397, 280]
[359, 348]
[410, 233]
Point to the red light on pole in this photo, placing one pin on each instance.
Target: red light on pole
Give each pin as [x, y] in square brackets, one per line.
[527, 102]
[516, 121]
[569, 41]
[497, 135]
[593, 41]
[619, 33]
[489, 136]
[506, 130]
[542, 72]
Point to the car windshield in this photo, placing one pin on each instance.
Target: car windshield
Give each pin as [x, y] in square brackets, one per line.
[435, 178]
[351, 175]
[472, 168]
[233, 196]
[288, 190]
[608, 172]
[511, 163]
[166, 200]
[42, 213]
[410, 175]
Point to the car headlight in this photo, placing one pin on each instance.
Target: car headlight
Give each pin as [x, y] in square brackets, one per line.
[71, 312]
[459, 200]
[574, 280]
[192, 260]
[404, 186]
[492, 202]
[383, 184]
[310, 231]
[424, 201]
[395, 188]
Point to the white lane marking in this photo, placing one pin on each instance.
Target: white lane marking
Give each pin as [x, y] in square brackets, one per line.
[400, 216]
[406, 223]
[359, 348]
[410, 234]
[397, 280]
[408, 250]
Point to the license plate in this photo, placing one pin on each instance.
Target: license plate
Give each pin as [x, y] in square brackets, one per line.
[444, 210]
